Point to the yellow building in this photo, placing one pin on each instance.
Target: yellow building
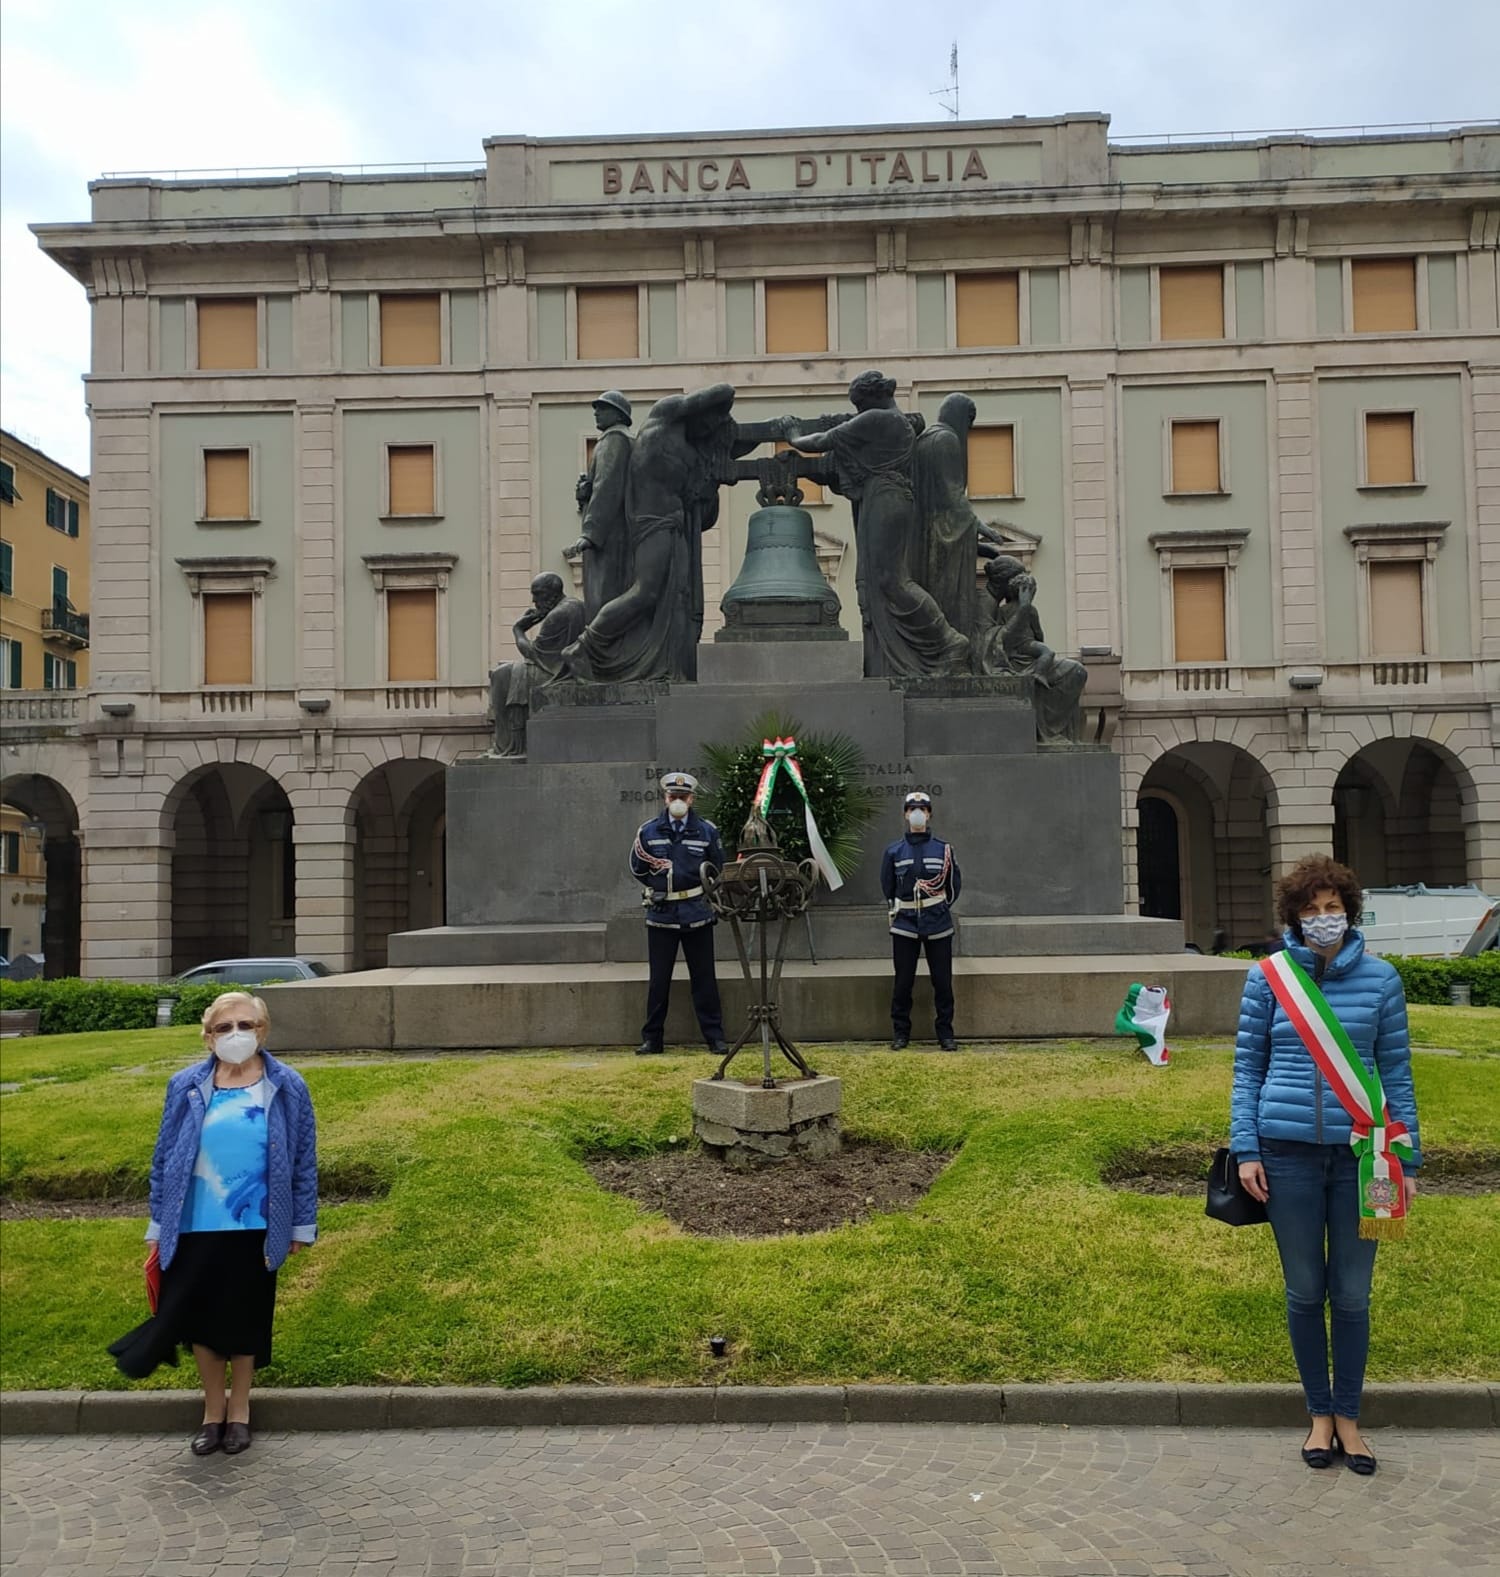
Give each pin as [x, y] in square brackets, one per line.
[23, 883]
[44, 571]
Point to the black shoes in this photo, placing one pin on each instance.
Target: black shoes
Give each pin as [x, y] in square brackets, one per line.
[720, 1048]
[208, 1440]
[1320, 1456]
[1356, 1461]
[236, 1439]
[646, 1049]
[900, 1042]
[947, 1043]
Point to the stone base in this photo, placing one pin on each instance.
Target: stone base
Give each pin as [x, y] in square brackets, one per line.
[749, 1127]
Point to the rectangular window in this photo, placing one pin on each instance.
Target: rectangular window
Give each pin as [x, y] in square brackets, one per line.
[59, 673]
[988, 309]
[8, 493]
[1396, 608]
[10, 665]
[229, 638]
[1196, 464]
[1198, 630]
[7, 568]
[227, 336]
[411, 479]
[411, 330]
[72, 517]
[992, 462]
[812, 492]
[796, 316]
[1390, 448]
[1192, 302]
[1385, 295]
[57, 509]
[10, 853]
[609, 322]
[411, 636]
[60, 588]
[226, 484]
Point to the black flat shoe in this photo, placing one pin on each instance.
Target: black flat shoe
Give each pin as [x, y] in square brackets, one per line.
[720, 1048]
[208, 1440]
[900, 1042]
[236, 1439]
[948, 1044]
[646, 1049]
[1356, 1461]
[1318, 1456]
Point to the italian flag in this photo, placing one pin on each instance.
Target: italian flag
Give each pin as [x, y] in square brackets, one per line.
[1380, 1144]
[1144, 1014]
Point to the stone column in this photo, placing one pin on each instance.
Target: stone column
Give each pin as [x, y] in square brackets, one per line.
[1301, 823]
[127, 901]
[1297, 533]
[511, 553]
[1486, 393]
[325, 892]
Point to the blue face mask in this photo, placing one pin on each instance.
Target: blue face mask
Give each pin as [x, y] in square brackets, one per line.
[1323, 930]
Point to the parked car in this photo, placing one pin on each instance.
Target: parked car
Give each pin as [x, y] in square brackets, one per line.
[251, 971]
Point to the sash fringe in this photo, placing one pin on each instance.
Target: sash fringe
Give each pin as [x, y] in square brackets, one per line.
[1383, 1229]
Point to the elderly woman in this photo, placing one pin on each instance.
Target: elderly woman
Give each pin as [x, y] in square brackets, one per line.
[1323, 1124]
[234, 1189]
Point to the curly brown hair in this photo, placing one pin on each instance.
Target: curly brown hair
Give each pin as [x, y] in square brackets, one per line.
[1311, 874]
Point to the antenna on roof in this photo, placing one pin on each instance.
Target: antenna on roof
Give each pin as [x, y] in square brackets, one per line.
[952, 88]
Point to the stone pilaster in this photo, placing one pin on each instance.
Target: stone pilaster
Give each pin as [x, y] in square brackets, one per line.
[120, 514]
[325, 892]
[1297, 521]
[1486, 394]
[317, 549]
[1092, 560]
[127, 892]
[511, 555]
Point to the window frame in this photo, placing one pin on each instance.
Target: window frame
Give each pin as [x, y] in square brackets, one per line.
[1201, 549]
[7, 569]
[830, 312]
[386, 513]
[217, 575]
[1390, 542]
[202, 518]
[71, 513]
[445, 332]
[1419, 285]
[411, 572]
[1170, 490]
[1418, 467]
[50, 666]
[12, 664]
[8, 493]
[1016, 475]
[1229, 296]
[950, 307]
[642, 322]
[191, 334]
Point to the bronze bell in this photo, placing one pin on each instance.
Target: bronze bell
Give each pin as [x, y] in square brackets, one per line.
[780, 593]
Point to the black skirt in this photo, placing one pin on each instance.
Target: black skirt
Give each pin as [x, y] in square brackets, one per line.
[216, 1293]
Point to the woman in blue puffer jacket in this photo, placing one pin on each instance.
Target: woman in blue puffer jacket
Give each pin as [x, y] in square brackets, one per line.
[1290, 1135]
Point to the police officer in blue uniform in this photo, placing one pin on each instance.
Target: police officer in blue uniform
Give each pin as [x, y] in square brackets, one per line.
[668, 858]
[920, 879]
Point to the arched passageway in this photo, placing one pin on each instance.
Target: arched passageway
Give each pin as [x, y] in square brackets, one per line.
[1203, 850]
[1398, 815]
[400, 828]
[234, 881]
[43, 865]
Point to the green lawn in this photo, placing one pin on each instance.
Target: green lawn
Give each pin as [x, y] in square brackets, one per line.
[494, 1258]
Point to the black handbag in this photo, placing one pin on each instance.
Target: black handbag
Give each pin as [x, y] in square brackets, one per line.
[1227, 1200]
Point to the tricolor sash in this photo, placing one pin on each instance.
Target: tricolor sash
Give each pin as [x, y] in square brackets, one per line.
[1380, 1144]
[781, 756]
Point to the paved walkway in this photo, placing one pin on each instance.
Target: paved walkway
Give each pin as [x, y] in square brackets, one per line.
[704, 1501]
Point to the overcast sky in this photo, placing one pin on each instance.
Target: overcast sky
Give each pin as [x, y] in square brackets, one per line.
[90, 86]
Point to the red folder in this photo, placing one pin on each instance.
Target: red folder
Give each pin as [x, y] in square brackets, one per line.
[153, 1278]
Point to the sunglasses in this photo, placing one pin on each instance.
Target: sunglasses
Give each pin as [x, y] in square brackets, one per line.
[224, 1029]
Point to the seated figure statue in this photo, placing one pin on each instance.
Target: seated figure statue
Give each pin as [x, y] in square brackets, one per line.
[558, 622]
[1013, 644]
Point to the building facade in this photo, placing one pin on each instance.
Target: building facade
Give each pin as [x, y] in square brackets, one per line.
[1239, 408]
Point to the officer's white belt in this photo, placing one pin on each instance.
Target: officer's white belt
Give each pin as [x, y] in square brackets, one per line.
[677, 897]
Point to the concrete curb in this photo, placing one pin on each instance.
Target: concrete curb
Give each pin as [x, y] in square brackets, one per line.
[1417, 1406]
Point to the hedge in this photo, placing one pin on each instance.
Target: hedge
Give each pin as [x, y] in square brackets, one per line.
[71, 1007]
[1427, 979]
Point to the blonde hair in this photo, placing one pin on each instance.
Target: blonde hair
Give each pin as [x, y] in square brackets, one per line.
[262, 1012]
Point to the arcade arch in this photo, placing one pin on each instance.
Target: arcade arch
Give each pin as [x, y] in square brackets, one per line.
[1203, 845]
[48, 826]
[1398, 815]
[400, 842]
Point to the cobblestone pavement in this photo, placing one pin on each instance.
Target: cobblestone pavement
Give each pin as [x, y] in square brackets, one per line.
[818, 1499]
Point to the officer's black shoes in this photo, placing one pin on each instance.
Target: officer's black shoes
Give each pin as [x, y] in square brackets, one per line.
[900, 1042]
[947, 1043]
[646, 1049]
[720, 1048]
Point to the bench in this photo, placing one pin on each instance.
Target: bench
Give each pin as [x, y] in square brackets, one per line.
[19, 1021]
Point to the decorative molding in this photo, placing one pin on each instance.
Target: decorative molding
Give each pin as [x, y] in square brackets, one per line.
[228, 572]
[410, 571]
[1204, 546]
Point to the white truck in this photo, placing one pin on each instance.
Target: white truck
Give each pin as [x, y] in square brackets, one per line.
[1430, 922]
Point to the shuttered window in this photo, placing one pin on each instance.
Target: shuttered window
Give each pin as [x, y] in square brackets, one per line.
[10, 665]
[8, 494]
[226, 484]
[1390, 448]
[411, 477]
[7, 568]
[812, 492]
[1195, 458]
[796, 316]
[411, 330]
[229, 638]
[1198, 616]
[992, 462]
[227, 332]
[1396, 609]
[988, 308]
[609, 322]
[1192, 302]
[59, 673]
[1385, 295]
[411, 636]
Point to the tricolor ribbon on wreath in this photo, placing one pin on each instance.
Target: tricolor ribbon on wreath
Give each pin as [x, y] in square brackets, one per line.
[1380, 1144]
[781, 756]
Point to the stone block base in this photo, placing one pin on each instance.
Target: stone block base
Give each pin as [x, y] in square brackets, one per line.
[749, 1127]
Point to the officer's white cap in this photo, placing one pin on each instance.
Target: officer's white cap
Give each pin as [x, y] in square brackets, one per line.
[682, 782]
[917, 797]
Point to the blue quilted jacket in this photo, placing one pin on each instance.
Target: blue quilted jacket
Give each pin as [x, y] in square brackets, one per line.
[1279, 1092]
[291, 1158]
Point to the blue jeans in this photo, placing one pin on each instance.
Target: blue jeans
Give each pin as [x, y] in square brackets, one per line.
[1313, 1194]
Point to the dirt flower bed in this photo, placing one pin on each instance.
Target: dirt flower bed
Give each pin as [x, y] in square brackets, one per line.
[1183, 1173]
[797, 1195]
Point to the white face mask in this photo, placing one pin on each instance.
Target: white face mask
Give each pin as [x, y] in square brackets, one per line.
[1323, 930]
[237, 1046]
[917, 820]
[677, 809]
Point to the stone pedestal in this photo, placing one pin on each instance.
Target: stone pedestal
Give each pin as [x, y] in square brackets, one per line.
[749, 1127]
